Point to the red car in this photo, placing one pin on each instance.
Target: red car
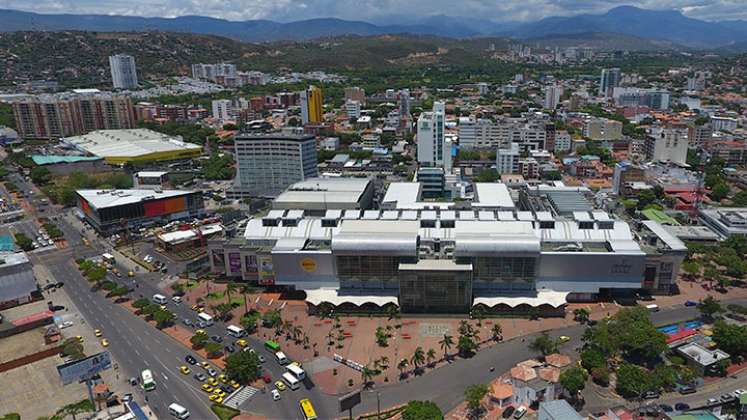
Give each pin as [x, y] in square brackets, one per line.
[266, 378]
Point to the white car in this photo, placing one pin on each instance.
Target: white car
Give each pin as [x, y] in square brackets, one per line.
[275, 394]
[712, 401]
[739, 392]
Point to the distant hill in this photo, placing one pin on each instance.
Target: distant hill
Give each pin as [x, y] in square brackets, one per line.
[602, 40]
[661, 25]
[671, 26]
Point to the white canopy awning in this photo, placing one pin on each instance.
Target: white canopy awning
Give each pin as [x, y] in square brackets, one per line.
[542, 297]
[333, 296]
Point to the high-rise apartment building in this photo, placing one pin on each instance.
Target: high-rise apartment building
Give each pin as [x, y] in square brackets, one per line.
[354, 93]
[699, 135]
[507, 159]
[667, 144]
[124, 73]
[609, 80]
[431, 140]
[529, 133]
[223, 110]
[266, 164]
[311, 105]
[552, 96]
[562, 142]
[353, 109]
[63, 115]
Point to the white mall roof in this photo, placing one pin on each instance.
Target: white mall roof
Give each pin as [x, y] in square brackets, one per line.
[318, 296]
[111, 198]
[543, 297]
[128, 143]
[492, 195]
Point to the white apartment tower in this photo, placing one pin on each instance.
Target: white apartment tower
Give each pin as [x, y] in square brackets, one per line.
[507, 160]
[124, 73]
[431, 141]
[552, 96]
[222, 110]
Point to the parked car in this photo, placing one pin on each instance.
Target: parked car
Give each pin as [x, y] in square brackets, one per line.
[229, 348]
[217, 338]
[519, 413]
[275, 394]
[712, 401]
[691, 303]
[212, 372]
[666, 408]
[190, 359]
[650, 395]
[200, 377]
[727, 398]
[508, 412]
[680, 406]
[187, 322]
[689, 389]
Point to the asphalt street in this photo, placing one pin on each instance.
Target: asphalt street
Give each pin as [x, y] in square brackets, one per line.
[134, 344]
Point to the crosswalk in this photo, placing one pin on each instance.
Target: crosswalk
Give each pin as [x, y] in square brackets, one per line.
[239, 396]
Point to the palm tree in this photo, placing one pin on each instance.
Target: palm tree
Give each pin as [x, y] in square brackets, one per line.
[497, 331]
[205, 280]
[367, 375]
[305, 340]
[330, 337]
[230, 287]
[384, 362]
[418, 358]
[430, 356]
[446, 344]
[296, 332]
[245, 290]
[402, 365]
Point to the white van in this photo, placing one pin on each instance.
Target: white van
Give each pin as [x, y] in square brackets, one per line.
[280, 357]
[178, 411]
[653, 308]
[160, 299]
[296, 371]
[291, 380]
[207, 319]
[235, 331]
[176, 299]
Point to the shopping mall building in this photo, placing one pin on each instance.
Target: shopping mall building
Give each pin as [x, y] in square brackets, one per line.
[438, 257]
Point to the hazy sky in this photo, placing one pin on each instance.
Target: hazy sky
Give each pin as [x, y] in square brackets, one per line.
[373, 10]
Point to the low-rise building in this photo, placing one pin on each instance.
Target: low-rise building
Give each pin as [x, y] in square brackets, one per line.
[704, 361]
[725, 221]
[17, 282]
[557, 410]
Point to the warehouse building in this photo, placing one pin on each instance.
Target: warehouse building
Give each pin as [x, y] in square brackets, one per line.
[440, 259]
[133, 146]
[17, 281]
[112, 211]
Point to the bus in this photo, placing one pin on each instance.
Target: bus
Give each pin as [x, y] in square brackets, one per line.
[307, 409]
[272, 346]
[296, 371]
[147, 381]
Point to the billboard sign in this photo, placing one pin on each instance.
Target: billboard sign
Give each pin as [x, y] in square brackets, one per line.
[266, 270]
[83, 369]
[348, 401]
[234, 263]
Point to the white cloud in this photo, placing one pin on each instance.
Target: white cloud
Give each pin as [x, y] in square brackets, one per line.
[373, 10]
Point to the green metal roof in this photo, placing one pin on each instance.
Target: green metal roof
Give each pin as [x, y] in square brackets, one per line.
[52, 159]
[660, 217]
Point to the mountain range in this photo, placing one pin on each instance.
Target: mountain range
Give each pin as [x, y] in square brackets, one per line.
[671, 26]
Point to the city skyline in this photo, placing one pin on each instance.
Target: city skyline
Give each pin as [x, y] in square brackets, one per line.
[377, 11]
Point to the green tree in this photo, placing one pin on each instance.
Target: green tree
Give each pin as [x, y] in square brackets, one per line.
[720, 191]
[592, 358]
[72, 348]
[422, 410]
[446, 343]
[367, 375]
[151, 309]
[691, 268]
[213, 348]
[544, 344]
[466, 345]
[633, 381]
[40, 175]
[23, 242]
[488, 175]
[243, 366]
[382, 337]
[402, 365]
[430, 356]
[249, 321]
[601, 375]
[581, 315]
[199, 339]
[730, 338]
[163, 318]
[224, 310]
[665, 377]
[635, 335]
[272, 318]
[573, 380]
[497, 331]
[709, 306]
[474, 395]
[418, 358]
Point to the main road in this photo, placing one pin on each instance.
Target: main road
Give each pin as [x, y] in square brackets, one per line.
[137, 345]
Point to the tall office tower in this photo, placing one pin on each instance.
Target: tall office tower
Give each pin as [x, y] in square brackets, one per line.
[124, 73]
[404, 103]
[609, 80]
[431, 140]
[266, 164]
[311, 105]
[552, 96]
[222, 109]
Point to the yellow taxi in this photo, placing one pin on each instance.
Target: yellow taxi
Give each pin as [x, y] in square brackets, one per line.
[207, 388]
[280, 385]
[97, 332]
[234, 384]
[212, 381]
[184, 370]
[163, 307]
[130, 274]
[215, 398]
[79, 338]
[241, 342]
[104, 342]
[223, 378]
[564, 339]
[219, 392]
[198, 308]
[204, 365]
[199, 332]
